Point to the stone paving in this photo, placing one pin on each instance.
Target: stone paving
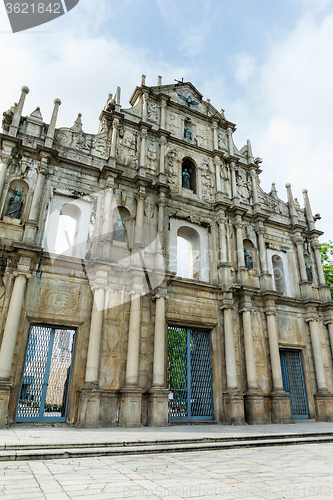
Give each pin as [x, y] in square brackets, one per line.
[292, 472]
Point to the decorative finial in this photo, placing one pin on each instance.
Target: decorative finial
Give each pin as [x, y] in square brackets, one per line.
[143, 80]
[159, 80]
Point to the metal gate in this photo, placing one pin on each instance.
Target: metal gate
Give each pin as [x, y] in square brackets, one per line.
[293, 382]
[46, 375]
[189, 375]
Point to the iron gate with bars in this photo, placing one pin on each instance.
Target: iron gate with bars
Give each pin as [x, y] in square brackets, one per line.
[189, 374]
[293, 382]
[46, 375]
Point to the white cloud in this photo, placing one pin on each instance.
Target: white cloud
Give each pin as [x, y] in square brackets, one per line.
[245, 67]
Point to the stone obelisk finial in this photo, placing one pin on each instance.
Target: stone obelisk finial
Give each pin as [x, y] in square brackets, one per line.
[18, 112]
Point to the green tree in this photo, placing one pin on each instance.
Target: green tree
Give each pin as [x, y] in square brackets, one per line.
[326, 255]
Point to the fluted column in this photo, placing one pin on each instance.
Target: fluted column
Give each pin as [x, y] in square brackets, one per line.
[31, 227]
[262, 249]
[95, 335]
[115, 125]
[51, 129]
[233, 180]
[140, 198]
[12, 323]
[316, 246]
[217, 164]
[253, 174]
[4, 163]
[250, 360]
[215, 139]
[159, 343]
[145, 107]
[163, 109]
[230, 353]
[274, 351]
[18, 112]
[132, 366]
[240, 246]
[144, 136]
[298, 240]
[162, 155]
[317, 354]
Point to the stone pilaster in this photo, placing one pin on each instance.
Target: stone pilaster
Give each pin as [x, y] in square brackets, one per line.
[5, 161]
[253, 174]
[224, 266]
[265, 277]
[234, 191]
[306, 289]
[140, 210]
[31, 226]
[233, 399]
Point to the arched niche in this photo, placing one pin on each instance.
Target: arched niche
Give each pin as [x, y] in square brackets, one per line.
[68, 227]
[189, 181]
[279, 274]
[123, 214]
[188, 253]
[71, 216]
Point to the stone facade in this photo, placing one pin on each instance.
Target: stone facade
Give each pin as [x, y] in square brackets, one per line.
[166, 171]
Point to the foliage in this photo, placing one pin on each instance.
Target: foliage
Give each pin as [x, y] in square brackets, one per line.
[326, 255]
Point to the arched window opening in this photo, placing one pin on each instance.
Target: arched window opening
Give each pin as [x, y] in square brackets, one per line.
[66, 239]
[278, 273]
[249, 255]
[188, 253]
[188, 175]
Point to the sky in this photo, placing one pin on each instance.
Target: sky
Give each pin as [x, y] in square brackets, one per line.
[268, 64]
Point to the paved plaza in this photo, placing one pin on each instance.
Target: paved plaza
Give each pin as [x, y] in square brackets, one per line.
[280, 472]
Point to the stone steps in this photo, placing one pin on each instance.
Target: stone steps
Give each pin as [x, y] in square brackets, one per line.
[81, 450]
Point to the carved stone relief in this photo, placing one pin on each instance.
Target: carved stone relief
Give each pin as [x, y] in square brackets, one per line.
[64, 301]
[207, 179]
[152, 112]
[127, 149]
[172, 163]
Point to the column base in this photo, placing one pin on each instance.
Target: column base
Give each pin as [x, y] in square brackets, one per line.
[280, 404]
[5, 391]
[254, 408]
[234, 408]
[89, 406]
[158, 406]
[130, 407]
[324, 293]
[306, 289]
[324, 406]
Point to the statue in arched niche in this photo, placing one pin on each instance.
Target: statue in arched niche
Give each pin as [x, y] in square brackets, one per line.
[309, 273]
[248, 260]
[15, 206]
[119, 230]
[186, 179]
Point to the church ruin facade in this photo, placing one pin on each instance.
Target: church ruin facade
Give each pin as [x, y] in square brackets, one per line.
[146, 278]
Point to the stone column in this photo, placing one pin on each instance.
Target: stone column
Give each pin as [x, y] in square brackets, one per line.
[316, 245]
[234, 404]
[4, 163]
[317, 354]
[265, 277]
[230, 142]
[253, 174]
[106, 227]
[115, 125]
[158, 394]
[233, 181]
[323, 399]
[217, 164]
[223, 264]
[215, 139]
[254, 402]
[140, 210]
[145, 98]
[18, 112]
[330, 332]
[89, 393]
[162, 155]
[51, 129]
[240, 246]
[298, 240]
[13, 321]
[31, 226]
[144, 136]
[130, 408]
[279, 398]
[163, 108]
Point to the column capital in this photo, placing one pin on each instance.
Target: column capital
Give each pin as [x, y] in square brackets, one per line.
[163, 103]
[214, 125]
[246, 309]
[297, 238]
[162, 140]
[6, 159]
[144, 133]
[270, 311]
[315, 243]
[145, 96]
[115, 123]
[310, 317]
[20, 272]
[140, 196]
